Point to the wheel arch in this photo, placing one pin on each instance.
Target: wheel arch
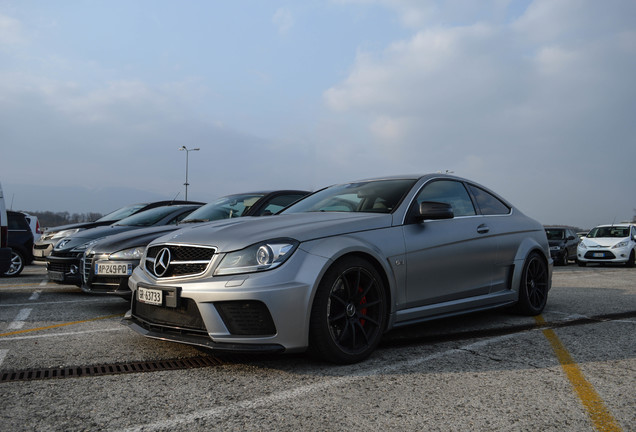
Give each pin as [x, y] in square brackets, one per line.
[356, 248]
[526, 247]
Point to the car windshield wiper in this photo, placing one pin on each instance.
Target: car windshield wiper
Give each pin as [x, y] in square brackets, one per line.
[195, 220]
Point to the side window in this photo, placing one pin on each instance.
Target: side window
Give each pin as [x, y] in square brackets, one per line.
[488, 204]
[449, 192]
[278, 203]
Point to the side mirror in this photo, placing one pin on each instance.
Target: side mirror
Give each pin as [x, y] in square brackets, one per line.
[571, 238]
[435, 211]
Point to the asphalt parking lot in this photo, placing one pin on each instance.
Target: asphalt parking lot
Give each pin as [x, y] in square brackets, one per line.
[66, 363]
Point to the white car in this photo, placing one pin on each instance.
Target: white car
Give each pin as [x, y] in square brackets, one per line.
[608, 244]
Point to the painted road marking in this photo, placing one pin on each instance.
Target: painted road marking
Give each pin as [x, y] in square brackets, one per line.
[596, 409]
[35, 295]
[61, 302]
[48, 335]
[59, 325]
[179, 421]
[3, 354]
[18, 322]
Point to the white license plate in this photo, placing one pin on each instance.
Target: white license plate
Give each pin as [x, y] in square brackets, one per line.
[114, 269]
[56, 276]
[150, 296]
[598, 254]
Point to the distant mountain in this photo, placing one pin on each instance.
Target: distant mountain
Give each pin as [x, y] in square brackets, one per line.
[75, 199]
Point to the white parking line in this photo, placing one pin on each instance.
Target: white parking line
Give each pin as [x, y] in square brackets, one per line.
[97, 300]
[18, 322]
[41, 336]
[3, 354]
[179, 422]
[35, 295]
[44, 282]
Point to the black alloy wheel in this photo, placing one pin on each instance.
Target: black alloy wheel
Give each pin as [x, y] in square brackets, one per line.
[349, 312]
[17, 264]
[533, 289]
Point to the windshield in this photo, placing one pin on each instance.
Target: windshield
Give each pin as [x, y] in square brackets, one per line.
[227, 207]
[555, 234]
[121, 213]
[148, 217]
[377, 196]
[609, 232]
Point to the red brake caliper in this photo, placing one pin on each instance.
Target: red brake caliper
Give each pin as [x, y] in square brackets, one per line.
[364, 310]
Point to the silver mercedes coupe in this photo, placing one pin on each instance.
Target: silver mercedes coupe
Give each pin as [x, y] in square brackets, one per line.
[334, 271]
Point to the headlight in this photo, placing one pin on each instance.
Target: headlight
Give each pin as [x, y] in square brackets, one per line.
[63, 233]
[582, 246]
[84, 246]
[259, 257]
[619, 245]
[126, 254]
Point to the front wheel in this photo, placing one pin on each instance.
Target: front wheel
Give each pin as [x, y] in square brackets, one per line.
[349, 312]
[533, 289]
[17, 264]
[631, 260]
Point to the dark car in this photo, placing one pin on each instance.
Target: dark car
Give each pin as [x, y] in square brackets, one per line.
[563, 242]
[63, 263]
[20, 241]
[5, 250]
[107, 265]
[45, 244]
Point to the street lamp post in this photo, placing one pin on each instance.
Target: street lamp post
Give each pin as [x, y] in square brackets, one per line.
[187, 150]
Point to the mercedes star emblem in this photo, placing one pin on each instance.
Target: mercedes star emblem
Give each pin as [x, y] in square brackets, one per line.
[162, 262]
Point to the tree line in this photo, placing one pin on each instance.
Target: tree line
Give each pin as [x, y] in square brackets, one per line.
[50, 219]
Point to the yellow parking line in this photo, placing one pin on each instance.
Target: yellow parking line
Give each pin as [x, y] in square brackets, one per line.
[596, 409]
[59, 325]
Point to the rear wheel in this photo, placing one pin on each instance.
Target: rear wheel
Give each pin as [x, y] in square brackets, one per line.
[533, 289]
[17, 264]
[349, 312]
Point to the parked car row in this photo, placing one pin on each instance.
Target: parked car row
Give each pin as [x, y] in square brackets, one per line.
[335, 270]
[604, 244]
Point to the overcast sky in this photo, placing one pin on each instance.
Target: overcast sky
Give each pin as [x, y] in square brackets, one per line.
[533, 99]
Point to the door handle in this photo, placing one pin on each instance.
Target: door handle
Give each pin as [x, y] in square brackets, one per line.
[483, 229]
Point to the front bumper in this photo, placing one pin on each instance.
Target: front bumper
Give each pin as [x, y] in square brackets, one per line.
[603, 255]
[93, 283]
[266, 312]
[42, 249]
[64, 269]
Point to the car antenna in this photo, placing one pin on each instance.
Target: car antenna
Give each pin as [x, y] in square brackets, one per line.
[175, 197]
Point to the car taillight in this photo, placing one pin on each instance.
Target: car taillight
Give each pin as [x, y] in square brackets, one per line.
[3, 237]
[37, 227]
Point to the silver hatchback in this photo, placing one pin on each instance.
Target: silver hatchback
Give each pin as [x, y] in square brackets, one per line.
[336, 270]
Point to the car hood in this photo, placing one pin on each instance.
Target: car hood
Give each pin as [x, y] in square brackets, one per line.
[133, 238]
[602, 241]
[82, 237]
[80, 225]
[235, 234]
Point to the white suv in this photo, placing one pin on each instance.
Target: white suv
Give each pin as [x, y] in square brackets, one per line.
[608, 244]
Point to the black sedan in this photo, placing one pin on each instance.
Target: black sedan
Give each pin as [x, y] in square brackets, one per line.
[107, 264]
[63, 263]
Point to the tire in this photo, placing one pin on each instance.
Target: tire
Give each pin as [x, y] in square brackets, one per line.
[564, 258]
[631, 260]
[348, 314]
[581, 263]
[17, 264]
[533, 289]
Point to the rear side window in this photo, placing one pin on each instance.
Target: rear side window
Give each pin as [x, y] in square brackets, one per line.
[488, 203]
